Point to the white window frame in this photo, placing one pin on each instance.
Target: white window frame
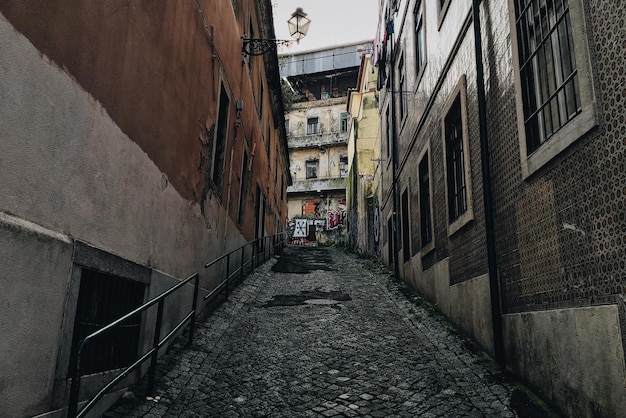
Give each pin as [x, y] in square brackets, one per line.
[580, 124]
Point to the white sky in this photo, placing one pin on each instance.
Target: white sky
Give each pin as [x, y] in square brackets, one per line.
[333, 22]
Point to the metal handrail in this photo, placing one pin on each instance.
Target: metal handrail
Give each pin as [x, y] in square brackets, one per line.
[277, 241]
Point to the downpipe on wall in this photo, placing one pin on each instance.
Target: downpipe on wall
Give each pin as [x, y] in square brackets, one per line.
[492, 262]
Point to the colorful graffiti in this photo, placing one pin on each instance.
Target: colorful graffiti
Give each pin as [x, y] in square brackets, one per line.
[335, 219]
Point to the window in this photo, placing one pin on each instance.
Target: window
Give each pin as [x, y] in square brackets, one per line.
[390, 240]
[388, 133]
[243, 187]
[345, 117]
[418, 20]
[456, 157]
[547, 68]
[406, 227]
[455, 162]
[287, 126]
[312, 126]
[268, 139]
[343, 167]
[426, 225]
[102, 299]
[556, 102]
[220, 139]
[261, 98]
[251, 36]
[443, 8]
[402, 107]
[311, 169]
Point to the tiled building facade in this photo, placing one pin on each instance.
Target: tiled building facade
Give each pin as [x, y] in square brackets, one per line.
[137, 143]
[533, 269]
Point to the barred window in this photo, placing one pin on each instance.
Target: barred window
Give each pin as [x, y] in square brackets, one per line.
[221, 138]
[455, 162]
[549, 77]
[426, 227]
[402, 98]
[418, 19]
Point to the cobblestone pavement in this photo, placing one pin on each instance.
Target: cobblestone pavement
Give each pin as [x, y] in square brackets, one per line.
[338, 341]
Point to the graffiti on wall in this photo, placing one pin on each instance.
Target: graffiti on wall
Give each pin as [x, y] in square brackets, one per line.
[318, 216]
[300, 228]
[335, 219]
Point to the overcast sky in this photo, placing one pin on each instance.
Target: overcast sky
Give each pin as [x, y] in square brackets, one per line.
[333, 22]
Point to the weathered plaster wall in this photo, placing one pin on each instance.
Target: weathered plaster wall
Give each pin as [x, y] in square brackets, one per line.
[31, 310]
[467, 304]
[68, 171]
[67, 166]
[118, 50]
[575, 356]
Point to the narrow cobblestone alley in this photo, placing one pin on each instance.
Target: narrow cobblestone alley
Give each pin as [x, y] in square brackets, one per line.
[316, 334]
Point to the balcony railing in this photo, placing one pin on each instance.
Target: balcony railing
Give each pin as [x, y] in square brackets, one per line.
[317, 184]
[317, 140]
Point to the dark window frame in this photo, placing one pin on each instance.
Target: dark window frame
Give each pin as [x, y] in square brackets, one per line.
[549, 75]
[456, 155]
[406, 225]
[420, 38]
[402, 97]
[455, 162]
[312, 169]
[425, 199]
[313, 125]
[221, 140]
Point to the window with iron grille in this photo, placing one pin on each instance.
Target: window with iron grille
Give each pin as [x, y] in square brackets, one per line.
[388, 133]
[312, 126]
[311, 169]
[402, 98]
[261, 98]
[555, 95]
[455, 162]
[406, 227]
[220, 139]
[102, 299]
[426, 228]
[243, 187]
[418, 21]
[548, 71]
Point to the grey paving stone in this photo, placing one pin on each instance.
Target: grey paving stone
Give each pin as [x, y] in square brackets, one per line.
[370, 352]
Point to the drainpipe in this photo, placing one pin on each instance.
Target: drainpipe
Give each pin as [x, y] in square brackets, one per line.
[494, 284]
[394, 163]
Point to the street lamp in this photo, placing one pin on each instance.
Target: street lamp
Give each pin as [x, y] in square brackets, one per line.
[298, 27]
[298, 24]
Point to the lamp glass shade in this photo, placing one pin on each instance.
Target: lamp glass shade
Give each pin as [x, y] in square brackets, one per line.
[298, 24]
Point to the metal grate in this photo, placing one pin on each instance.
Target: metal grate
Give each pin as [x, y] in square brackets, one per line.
[101, 300]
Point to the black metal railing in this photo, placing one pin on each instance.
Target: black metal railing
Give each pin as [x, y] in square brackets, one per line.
[262, 248]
